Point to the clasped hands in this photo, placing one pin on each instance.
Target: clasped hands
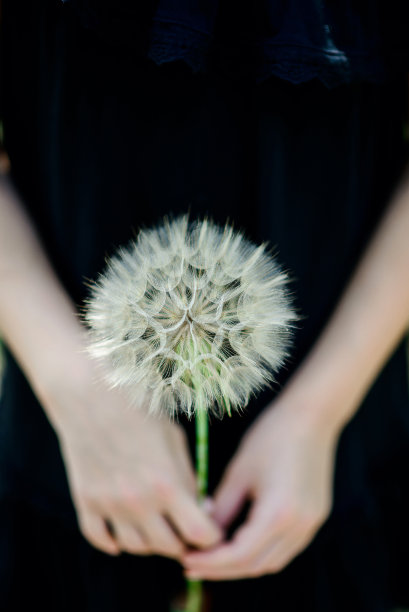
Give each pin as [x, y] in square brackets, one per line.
[133, 485]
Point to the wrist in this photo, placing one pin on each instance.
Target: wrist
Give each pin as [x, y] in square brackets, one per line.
[328, 387]
[44, 331]
[320, 402]
[61, 356]
[62, 372]
[327, 415]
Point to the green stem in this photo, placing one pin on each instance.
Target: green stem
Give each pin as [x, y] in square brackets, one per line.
[202, 450]
[194, 595]
[195, 587]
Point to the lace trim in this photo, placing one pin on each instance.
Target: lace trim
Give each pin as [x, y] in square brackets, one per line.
[259, 60]
[329, 75]
[170, 41]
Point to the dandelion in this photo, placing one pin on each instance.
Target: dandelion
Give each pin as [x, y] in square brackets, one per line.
[191, 314]
[191, 318]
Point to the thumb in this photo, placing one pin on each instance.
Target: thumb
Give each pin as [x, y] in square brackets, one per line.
[229, 496]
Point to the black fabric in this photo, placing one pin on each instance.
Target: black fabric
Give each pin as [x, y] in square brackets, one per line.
[71, 575]
[102, 143]
[334, 41]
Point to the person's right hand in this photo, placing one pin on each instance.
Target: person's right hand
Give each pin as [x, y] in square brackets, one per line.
[130, 475]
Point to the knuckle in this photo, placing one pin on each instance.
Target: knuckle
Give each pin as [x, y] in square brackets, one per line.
[110, 503]
[134, 500]
[87, 499]
[164, 489]
[97, 501]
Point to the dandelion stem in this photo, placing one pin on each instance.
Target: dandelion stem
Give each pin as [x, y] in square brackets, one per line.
[194, 596]
[202, 428]
[194, 601]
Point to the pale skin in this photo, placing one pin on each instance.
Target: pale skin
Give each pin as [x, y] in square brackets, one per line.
[285, 462]
[131, 478]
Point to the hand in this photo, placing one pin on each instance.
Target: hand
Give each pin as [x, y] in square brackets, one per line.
[130, 475]
[285, 468]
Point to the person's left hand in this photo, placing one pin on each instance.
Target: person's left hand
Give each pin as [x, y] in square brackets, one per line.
[284, 466]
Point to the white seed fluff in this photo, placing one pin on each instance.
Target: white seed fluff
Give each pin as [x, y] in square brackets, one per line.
[188, 315]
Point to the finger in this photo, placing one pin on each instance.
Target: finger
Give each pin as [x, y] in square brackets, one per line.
[192, 522]
[243, 566]
[273, 559]
[95, 530]
[250, 540]
[276, 558]
[181, 454]
[229, 496]
[129, 539]
[161, 538]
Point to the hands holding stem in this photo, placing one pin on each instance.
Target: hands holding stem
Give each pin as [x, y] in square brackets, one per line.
[130, 475]
[133, 486]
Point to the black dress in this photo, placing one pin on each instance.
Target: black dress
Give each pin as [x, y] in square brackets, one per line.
[102, 140]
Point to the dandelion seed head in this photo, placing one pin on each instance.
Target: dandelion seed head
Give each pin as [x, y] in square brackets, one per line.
[190, 314]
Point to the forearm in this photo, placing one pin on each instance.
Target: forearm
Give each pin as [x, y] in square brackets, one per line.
[368, 323]
[38, 320]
